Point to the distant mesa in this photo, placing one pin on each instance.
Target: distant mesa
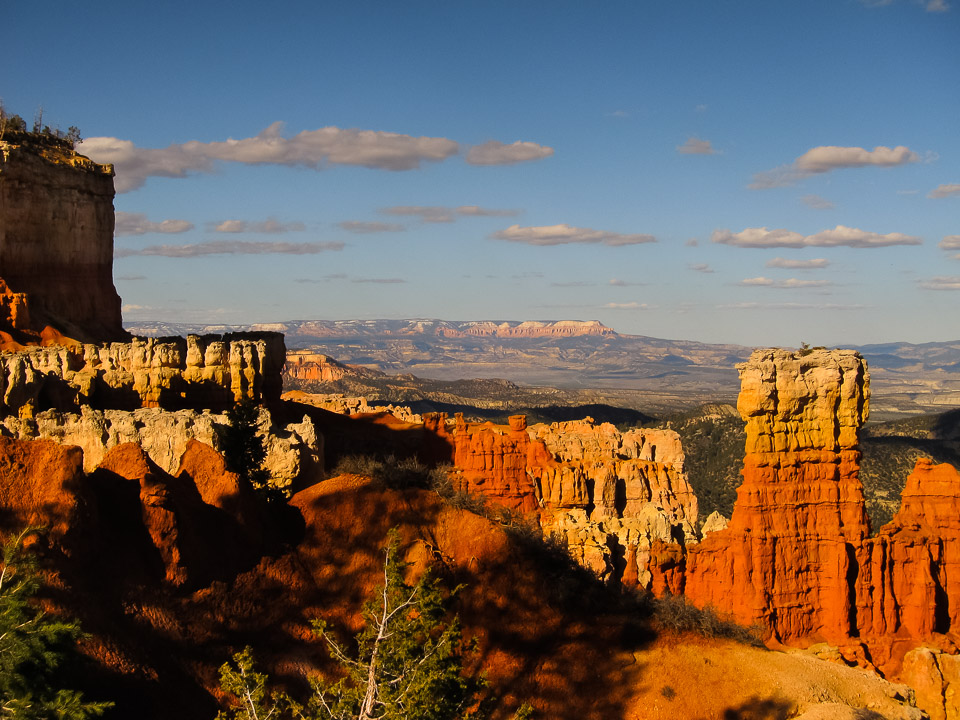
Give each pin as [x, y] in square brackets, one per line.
[398, 328]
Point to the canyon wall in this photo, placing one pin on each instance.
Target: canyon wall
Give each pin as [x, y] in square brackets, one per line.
[611, 496]
[210, 371]
[56, 242]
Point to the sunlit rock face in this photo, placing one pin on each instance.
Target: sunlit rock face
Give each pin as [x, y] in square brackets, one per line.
[56, 243]
[608, 495]
[209, 371]
[788, 557]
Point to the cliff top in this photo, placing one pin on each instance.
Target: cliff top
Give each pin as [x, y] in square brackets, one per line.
[52, 147]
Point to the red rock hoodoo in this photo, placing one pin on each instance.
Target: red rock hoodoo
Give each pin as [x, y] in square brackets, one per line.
[797, 556]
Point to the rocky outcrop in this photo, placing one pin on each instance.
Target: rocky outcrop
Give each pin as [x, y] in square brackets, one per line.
[56, 242]
[493, 461]
[40, 486]
[294, 451]
[208, 371]
[788, 557]
[909, 580]
[609, 495]
[345, 405]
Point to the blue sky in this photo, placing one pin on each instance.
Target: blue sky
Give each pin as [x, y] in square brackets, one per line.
[762, 173]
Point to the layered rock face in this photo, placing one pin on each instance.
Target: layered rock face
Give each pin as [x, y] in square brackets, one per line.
[210, 371]
[788, 558]
[294, 451]
[610, 495]
[56, 243]
[909, 581]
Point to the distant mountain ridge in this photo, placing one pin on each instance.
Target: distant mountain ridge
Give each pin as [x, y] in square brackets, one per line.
[394, 328]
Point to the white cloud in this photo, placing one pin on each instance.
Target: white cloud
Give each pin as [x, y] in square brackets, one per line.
[270, 226]
[137, 224]
[817, 203]
[841, 235]
[825, 158]
[494, 152]
[309, 148]
[695, 146]
[629, 306]
[936, 6]
[565, 234]
[791, 264]
[624, 283]
[790, 284]
[702, 268]
[234, 247]
[950, 242]
[943, 191]
[365, 228]
[942, 282]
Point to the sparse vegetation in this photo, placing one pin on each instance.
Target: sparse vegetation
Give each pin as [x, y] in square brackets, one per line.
[13, 128]
[34, 646]
[674, 613]
[406, 664]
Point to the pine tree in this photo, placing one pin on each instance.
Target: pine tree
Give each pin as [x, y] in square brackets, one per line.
[408, 664]
[33, 646]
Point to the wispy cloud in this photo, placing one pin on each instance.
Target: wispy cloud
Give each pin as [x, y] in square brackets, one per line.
[701, 268]
[695, 146]
[234, 247]
[494, 152]
[572, 283]
[615, 282]
[367, 228]
[789, 306]
[130, 278]
[476, 211]
[817, 203]
[791, 264]
[936, 6]
[942, 282]
[950, 242]
[790, 284]
[137, 224]
[841, 235]
[442, 214]
[323, 279]
[379, 281]
[826, 158]
[544, 235]
[270, 226]
[629, 306]
[943, 191]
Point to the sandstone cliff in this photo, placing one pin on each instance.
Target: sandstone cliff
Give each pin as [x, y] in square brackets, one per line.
[56, 243]
[209, 371]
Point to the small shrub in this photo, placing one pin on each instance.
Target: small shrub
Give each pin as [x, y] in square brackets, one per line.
[668, 692]
[674, 613]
